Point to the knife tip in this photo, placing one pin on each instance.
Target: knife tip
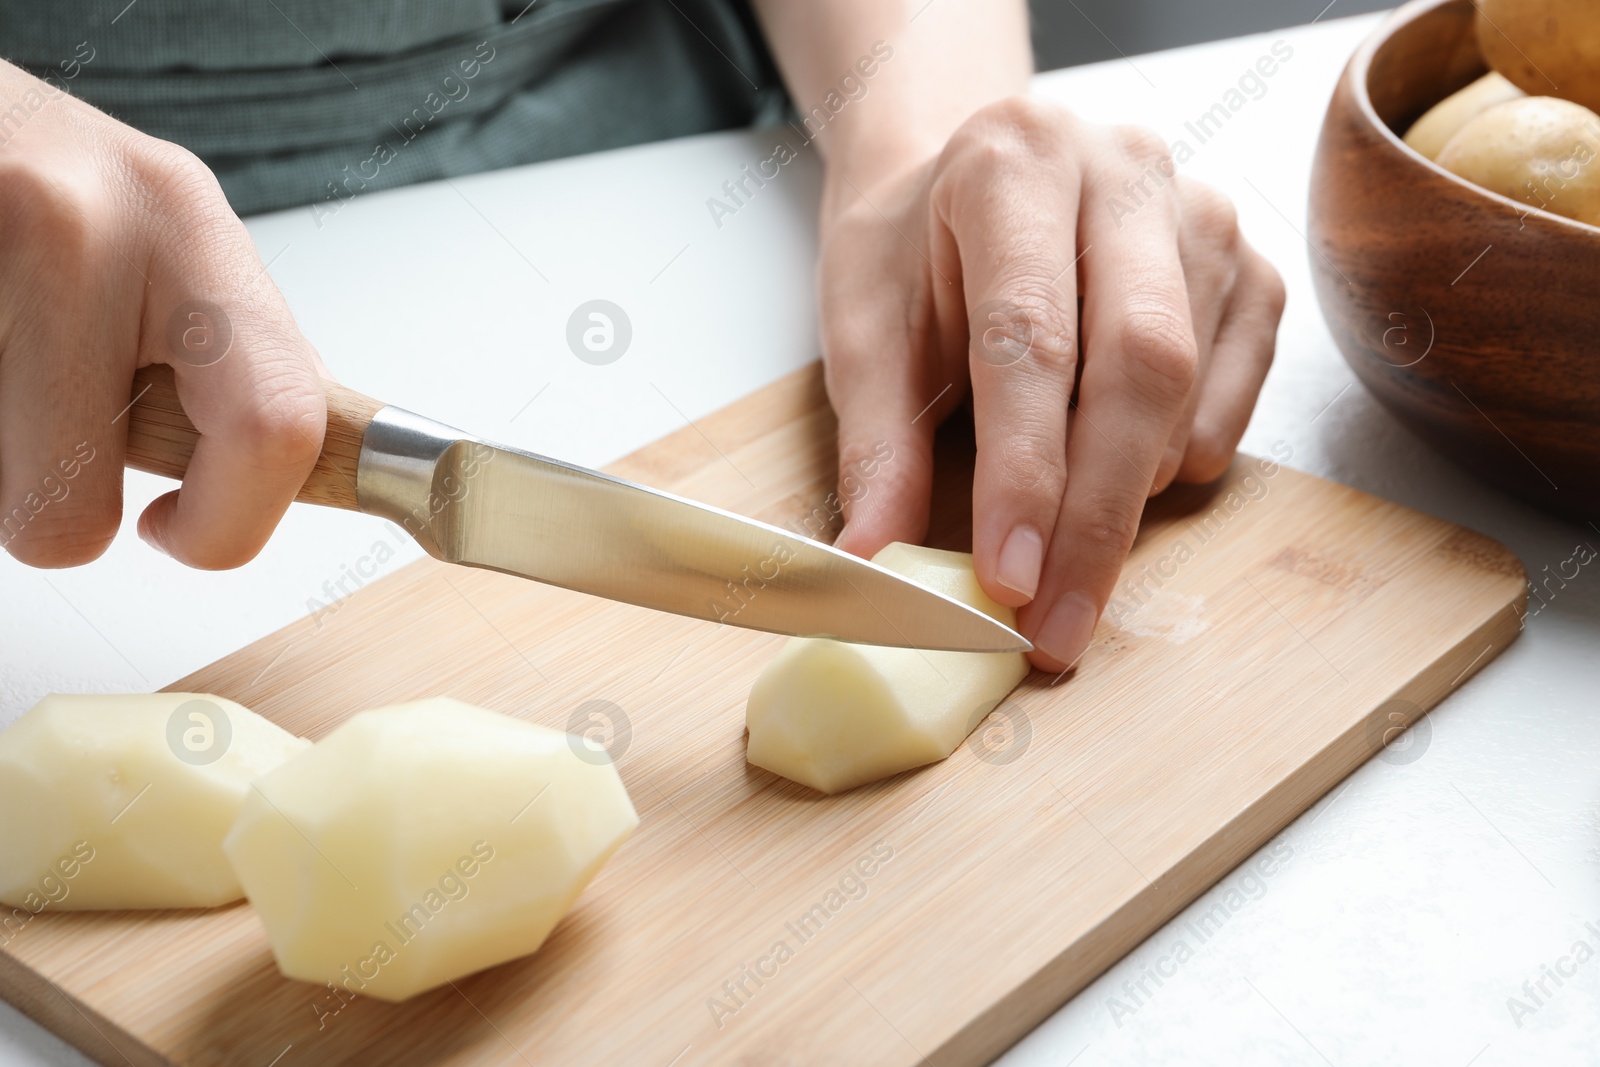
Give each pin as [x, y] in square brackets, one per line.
[1022, 644]
[998, 637]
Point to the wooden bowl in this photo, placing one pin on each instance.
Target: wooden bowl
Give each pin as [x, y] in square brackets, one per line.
[1471, 316]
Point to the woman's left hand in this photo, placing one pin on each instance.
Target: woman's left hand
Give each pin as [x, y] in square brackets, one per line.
[1108, 321]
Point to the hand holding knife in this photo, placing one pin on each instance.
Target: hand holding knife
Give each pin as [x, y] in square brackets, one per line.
[471, 502]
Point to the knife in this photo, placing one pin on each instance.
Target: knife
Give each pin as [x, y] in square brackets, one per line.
[475, 503]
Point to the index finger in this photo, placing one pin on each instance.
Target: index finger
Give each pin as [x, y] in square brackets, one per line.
[248, 382]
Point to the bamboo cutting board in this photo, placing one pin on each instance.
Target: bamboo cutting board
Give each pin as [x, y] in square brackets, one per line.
[1270, 632]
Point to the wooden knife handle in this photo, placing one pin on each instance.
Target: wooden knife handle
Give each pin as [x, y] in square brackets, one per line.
[161, 438]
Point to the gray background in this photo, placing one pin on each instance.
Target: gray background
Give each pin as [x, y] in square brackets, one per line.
[1066, 32]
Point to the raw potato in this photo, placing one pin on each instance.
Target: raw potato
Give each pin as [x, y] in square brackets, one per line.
[1545, 47]
[833, 715]
[1537, 150]
[123, 801]
[1440, 123]
[422, 842]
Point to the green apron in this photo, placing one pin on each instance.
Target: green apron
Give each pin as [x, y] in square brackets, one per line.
[314, 101]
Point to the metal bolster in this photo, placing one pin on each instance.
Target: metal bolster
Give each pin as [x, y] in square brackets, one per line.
[400, 455]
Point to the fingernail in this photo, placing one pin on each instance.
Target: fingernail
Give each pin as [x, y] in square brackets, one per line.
[1067, 629]
[1021, 557]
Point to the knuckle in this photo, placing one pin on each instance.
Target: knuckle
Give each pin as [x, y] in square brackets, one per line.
[1023, 114]
[1107, 530]
[1273, 290]
[1159, 347]
[1012, 128]
[868, 470]
[835, 376]
[169, 171]
[863, 458]
[1207, 456]
[1213, 216]
[282, 430]
[177, 187]
[1032, 312]
[1139, 144]
[855, 334]
[1031, 465]
[47, 213]
[978, 154]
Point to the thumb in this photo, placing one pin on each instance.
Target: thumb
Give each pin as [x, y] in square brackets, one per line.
[885, 471]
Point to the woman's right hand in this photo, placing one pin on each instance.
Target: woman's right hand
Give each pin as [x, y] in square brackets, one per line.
[118, 251]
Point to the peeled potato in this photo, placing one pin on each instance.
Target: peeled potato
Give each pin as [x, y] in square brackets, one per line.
[1537, 150]
[123, 801]
[1545, 47]
[833, 715]
[1440, 122]
[422, 842]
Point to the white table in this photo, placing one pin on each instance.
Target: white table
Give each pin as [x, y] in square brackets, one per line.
[1415, 899]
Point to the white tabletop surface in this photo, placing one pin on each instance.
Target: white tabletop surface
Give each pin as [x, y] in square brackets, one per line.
[1410, 903]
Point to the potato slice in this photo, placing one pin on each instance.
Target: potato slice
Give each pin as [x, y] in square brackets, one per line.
[1441, 121]
[833, 715]
[1539, 150]
[422, 842]
[123, 801]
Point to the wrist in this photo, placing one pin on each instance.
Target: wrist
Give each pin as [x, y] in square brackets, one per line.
[880, 146]
[851, 171]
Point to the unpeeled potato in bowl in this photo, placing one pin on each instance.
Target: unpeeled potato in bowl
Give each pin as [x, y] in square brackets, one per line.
[1544, 47]
[1429, 134]
[1538, 150]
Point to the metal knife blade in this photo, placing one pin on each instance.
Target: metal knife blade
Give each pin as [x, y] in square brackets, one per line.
[472, 502]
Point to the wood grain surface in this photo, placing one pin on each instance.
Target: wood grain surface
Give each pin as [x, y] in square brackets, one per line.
[1271, 631]
[1470, 315]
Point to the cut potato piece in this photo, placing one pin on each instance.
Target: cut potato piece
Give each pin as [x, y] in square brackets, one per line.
[832, 715]
[1440, 122]
[422, 842]
[123, 801]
